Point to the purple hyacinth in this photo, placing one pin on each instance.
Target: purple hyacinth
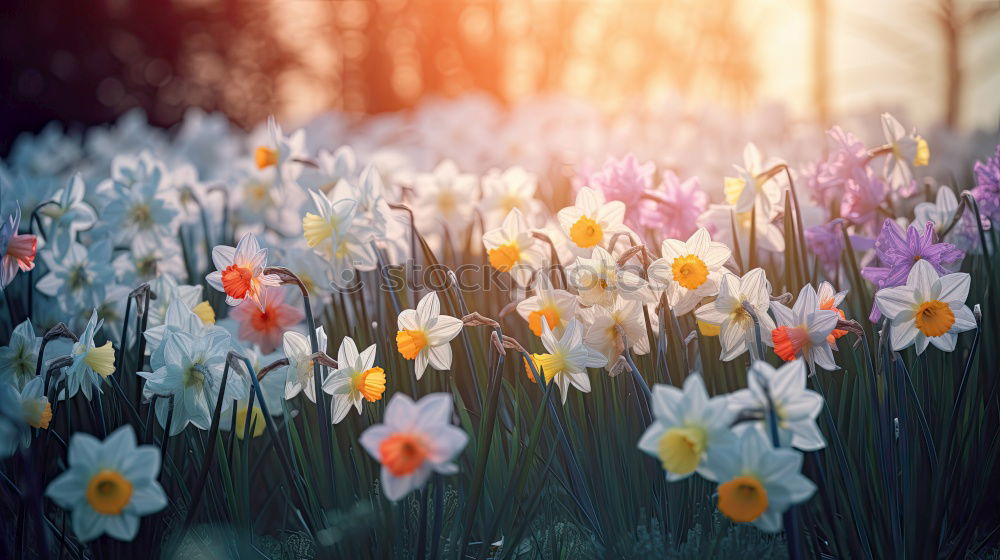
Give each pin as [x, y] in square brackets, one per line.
[898, 250]
[987, 191]
[829, 177]
[864, 193]
[672, 210]
[827, 243]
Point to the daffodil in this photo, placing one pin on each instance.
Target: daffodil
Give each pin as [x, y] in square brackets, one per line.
[445, 197]
[736, 326]
[607, 325]
[300, 366]
[513, 188]
[547, 306]
[600, 281]
[167, 289]
[591, 221]
[785, 390]
[689, 429]
[425, 335]
[281, 152]
[198, 322]
[750, 190]
[79, 277]
[512, 248]
[690, 270]
[91, 363]
[906, 149]
[414, 440]
[338, 235]
[757, 482]
[357, 380]
[266, 327]
[17, 250]
[13, 429]
[20, 357]
[929, 309]
[240, 272]
[732, 226]
[803, 331]
[567, 358]
[190, 369]
[109, 485]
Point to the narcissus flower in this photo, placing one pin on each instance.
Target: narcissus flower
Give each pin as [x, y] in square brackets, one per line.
[240, 272]
[300, 365]
[829, 299]
[735, 324]
[414, 440]
[804, 330]
[265, 327]
[689, 430]
[749, 190]
[91, 363]
[600, 281]
[907, 149]
[17, 250]
[591, 221]
[281, 152]
[19, 358]
[339, 235]
[568, 358]
[758, 483]
[512, 248]
[547, 306]
[795, 406]
[606, 325]
[425, 335]
[928, 310]
[109, 485]
[357, 380]
[690, 270]
[514, 188]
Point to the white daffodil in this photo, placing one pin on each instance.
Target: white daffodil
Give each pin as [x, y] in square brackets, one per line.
[928, 309]
[20, 357]
[71, 215]
[425, 335]
[190, 369]
[373, 209]
[600, 281]
[907, 149]
[803, 331]
[606, 325]
[591, 221]
[282, 152]
[414, 440]
[512, 248]
[139, 212]
[446, 196]
[357, 379]
[167, 289]
[514, 188]
[198, 322]
[735, 324]
[240, 272]
[941, 211]
[690, 270]
[795, 406]
[342, 164]
[80, 277]
[556, 307]
[568, 358]
[17, 250]
[36, 411]
[300, 366]
[340, 237]
[734, 227]
[764, 194]
[13, 429]
[109, 485]
[91, 364]
[758, 482]
[689, 429]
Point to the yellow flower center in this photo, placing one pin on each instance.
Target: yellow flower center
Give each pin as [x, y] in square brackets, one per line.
[923, 155]
[550, 365]
[742, 499]
[265, 157]
[446, 202]
[410, 343]
[934, 318]
[689, 271]
[370, 383]
[205, 312]
[101, 359]
[551, 315]
[37, 412]
[315, 229]
[586, 233]
[109, 492]
[256, 421]
[708, 329]
[681, 449]
[733, 188]
[504, 257]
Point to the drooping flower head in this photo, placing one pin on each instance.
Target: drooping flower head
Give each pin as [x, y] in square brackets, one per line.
[425, 335]
[357, 380]
[17, 251]
[795, 406]
[907, 149]
[568, 358]
[109, 485]
[803, 331]
[414, 440]
[898, 251]
[300, 365]
[91, 363]
[928, 309]
[240, 272]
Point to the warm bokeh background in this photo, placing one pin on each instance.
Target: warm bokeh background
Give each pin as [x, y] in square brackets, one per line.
[88, 62]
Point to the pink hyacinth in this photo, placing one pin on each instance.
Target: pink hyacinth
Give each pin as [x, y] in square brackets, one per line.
[265, 327]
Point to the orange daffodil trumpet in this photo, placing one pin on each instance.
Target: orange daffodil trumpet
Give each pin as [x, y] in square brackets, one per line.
[690, 270]
[548, 306]
[414, 440]
[591, 221]
[240, 272]
[357, 380]
[804, 330]
[512, 248]
[425, 335]
[928, 310]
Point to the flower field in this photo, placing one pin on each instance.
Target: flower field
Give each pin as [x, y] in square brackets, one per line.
[466, 331]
